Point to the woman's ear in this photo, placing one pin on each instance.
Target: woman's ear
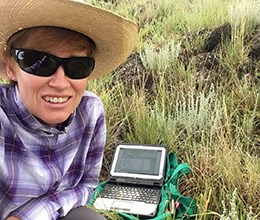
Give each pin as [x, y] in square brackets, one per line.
[9, 69]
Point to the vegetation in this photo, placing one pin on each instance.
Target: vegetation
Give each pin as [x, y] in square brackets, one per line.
[212, 123]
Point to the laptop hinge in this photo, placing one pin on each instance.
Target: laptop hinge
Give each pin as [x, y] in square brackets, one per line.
[157, 184]
[135, 181]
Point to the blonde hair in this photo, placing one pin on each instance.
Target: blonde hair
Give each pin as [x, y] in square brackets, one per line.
[47, 37]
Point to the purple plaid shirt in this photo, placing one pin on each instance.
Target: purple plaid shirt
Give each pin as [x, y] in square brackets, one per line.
[46, 171]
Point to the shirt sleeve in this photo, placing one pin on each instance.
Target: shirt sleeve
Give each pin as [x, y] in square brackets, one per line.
[58, 204]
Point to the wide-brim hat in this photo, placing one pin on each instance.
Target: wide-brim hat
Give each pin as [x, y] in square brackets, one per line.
[115, 37]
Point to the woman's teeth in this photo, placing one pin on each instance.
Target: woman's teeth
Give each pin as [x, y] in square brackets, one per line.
[56, 99]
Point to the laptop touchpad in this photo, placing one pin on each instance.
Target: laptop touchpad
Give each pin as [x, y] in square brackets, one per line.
[122, 205]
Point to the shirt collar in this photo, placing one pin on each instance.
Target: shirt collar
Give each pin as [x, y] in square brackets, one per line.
[29, 121]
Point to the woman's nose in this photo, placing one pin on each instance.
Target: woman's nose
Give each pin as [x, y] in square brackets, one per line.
[59, 80]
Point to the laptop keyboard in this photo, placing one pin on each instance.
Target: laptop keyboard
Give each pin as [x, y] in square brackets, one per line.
[140, 194]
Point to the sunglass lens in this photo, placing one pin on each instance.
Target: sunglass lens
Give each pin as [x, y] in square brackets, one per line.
[80, 68]
[36, 63]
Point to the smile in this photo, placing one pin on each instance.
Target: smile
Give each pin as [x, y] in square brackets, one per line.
[56, 99]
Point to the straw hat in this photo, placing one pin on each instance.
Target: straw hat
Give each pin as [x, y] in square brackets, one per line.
[114, 36]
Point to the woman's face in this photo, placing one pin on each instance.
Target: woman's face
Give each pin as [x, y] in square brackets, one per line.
[51, 99]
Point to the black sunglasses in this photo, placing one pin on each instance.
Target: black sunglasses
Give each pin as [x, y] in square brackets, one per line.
[44, 64]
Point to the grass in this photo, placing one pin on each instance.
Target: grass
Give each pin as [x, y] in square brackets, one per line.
[215, 130]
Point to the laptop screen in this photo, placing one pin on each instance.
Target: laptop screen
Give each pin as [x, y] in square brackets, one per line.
[139, 161]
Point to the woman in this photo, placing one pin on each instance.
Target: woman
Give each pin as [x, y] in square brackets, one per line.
[52, 131]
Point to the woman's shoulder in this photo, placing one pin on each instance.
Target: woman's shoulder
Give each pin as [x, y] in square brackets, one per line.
[90, 109]
[90, 98]
[91, 103]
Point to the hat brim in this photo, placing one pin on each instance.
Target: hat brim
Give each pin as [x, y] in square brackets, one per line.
[114, 36]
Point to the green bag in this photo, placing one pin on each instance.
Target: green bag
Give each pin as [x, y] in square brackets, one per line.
[186, 205]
